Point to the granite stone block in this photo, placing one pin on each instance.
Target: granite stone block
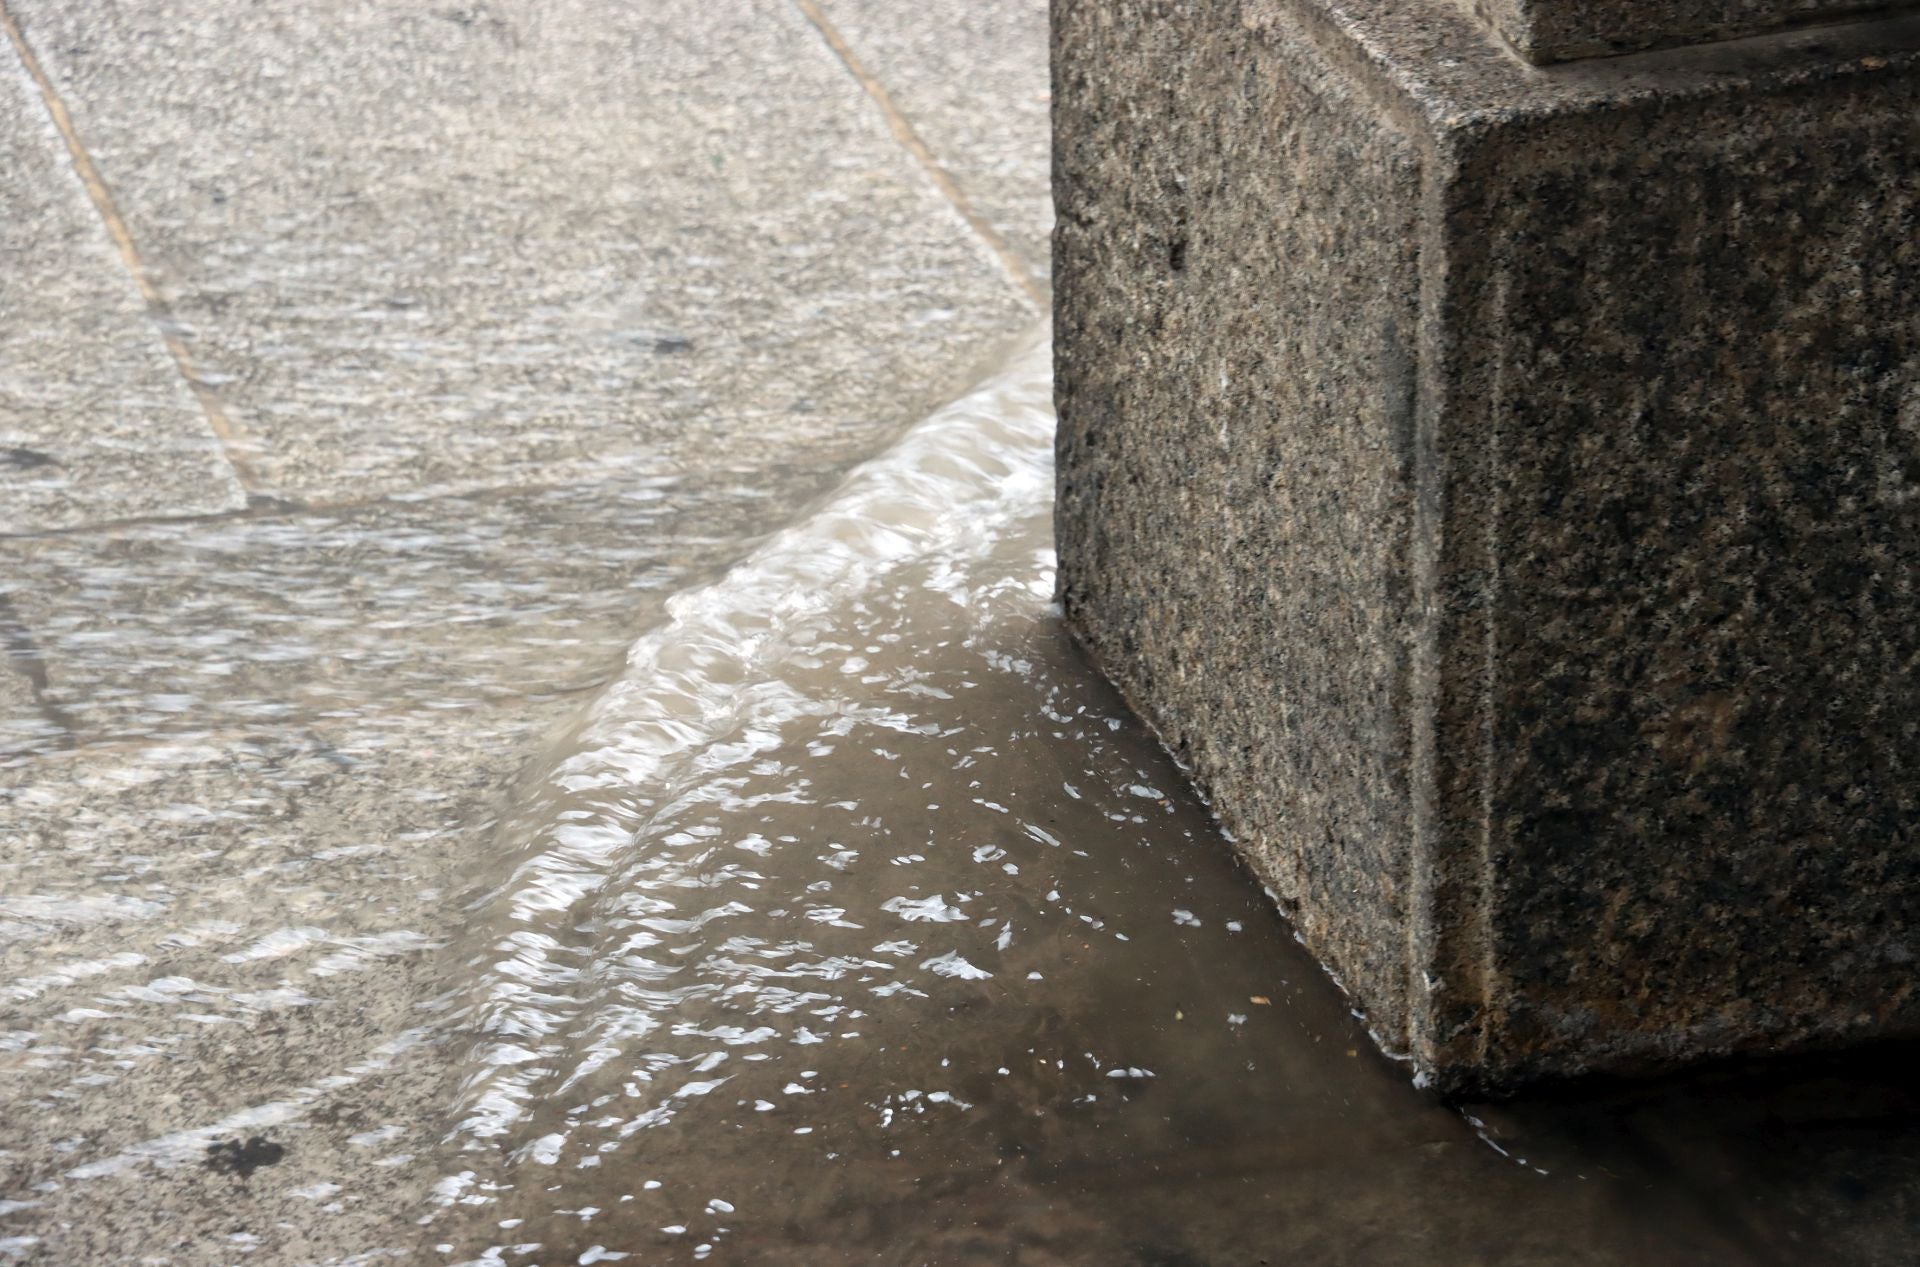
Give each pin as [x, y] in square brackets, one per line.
[1501, 489]
[1545, 31]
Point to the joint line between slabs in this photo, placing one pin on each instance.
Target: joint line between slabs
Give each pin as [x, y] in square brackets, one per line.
[233, 443]
[903, 132]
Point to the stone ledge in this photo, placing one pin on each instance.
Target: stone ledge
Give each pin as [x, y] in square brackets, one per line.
[1544, 31]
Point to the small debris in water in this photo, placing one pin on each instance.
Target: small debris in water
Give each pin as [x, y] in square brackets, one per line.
[231, 1157]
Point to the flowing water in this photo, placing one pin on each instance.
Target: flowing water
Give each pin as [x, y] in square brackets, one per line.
[859, 922]
[855, 921]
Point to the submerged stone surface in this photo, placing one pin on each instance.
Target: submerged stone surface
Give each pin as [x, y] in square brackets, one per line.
[1501, 490]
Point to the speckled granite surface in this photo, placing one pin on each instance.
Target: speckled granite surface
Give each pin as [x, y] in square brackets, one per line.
[1562, 30]
[1501, 488]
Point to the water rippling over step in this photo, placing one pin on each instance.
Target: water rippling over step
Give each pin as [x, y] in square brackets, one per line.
[855, 920]
[858, 921]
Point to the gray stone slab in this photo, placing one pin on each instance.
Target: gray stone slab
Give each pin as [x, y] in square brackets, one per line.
[442, 249]
[972, 79]
[1545, 31]
[210, 941]
[95, 421]
[1499, 488]
[439, 604]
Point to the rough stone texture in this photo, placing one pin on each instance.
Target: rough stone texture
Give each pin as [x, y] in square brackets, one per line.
[151, 628]
[630, 285]
[435, 249]
[1501, 490]
[22, 720]
[95, 421]
[971, 77]
[1545, 31]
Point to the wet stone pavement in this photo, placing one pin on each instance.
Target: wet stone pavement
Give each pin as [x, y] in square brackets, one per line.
[372, 375]
[531, 731]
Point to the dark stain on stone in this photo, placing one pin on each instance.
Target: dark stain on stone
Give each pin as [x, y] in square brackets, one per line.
[670, 344]
[231, 1157]
[1156, 1254]
[1399, 395]
[19, 459]
[21, 651]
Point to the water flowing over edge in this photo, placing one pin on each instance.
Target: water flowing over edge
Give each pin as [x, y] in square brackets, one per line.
[948, 489]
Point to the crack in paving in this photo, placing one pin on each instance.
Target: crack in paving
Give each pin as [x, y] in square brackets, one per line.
[904, 132]
[235, 445]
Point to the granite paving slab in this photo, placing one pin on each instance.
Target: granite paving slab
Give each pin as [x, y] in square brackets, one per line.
[480, 246]
[226, 939]
[440, 604]
[971, 77]
[95, 420]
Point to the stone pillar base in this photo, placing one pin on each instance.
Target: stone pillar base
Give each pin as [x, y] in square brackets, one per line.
[1501, 487]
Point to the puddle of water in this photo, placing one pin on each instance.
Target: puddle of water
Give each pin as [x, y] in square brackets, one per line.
[860, 922]
[855, 921]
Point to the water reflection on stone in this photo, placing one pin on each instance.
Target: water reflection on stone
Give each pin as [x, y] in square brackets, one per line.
[860, 922]
[856, 920]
